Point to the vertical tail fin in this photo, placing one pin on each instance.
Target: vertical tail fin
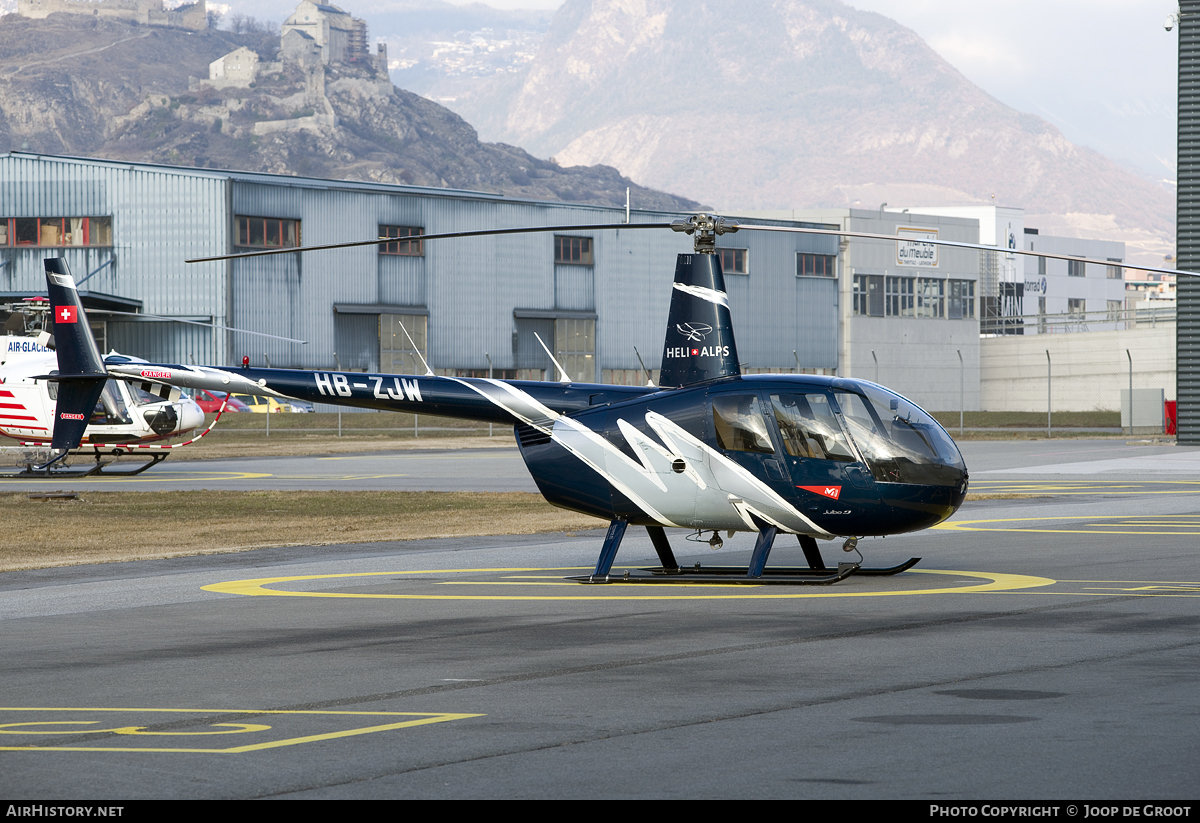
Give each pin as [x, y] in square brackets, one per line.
[81, 372]
[699, 345]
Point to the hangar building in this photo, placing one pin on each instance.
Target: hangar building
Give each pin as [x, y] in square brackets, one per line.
[126, 229]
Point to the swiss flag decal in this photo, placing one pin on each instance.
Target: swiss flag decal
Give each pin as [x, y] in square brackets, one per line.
[65, 314]
[832, 492]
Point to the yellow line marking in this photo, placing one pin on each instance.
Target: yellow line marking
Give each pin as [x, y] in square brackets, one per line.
[1098, 528]
[178, 477]
[487, 451]
[258, 587]
[416, 719]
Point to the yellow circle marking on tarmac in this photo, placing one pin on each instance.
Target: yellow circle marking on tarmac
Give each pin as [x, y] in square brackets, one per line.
[997, 583]
[1067, 487]
[1119, 526]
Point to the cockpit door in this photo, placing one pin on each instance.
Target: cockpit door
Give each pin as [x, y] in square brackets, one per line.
[743, 433]
[828, 476]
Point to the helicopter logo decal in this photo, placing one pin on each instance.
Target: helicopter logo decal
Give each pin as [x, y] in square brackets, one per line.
[696, 332]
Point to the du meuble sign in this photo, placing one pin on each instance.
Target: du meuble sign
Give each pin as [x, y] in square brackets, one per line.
[910, 251]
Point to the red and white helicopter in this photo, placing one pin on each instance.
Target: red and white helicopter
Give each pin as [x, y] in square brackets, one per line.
[128, 418]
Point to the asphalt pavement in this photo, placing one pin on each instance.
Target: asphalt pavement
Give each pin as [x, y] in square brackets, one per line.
[1044, 648]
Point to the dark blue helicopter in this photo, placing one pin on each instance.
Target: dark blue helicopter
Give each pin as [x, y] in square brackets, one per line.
[708, 449]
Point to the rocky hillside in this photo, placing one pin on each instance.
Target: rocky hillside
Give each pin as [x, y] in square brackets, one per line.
[100, 88]
[801, 103]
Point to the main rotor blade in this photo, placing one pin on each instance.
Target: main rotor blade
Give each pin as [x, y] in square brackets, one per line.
[959, 245]
[423, 237]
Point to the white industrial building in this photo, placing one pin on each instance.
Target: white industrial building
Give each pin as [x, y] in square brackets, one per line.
[908, 310]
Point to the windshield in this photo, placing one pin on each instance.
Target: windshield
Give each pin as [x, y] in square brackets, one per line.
[900, 442]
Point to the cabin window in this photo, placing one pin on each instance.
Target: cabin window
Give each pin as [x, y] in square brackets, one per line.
[735, 261]
[407, 248]
[810, 428]
[816, 265]
[52, 232]
[739, 424]
[573, 251]
[267, 232]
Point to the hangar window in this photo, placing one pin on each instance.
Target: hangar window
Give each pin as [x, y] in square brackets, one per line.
[407, 248]
[961, 302]
[868, 295]
[575, 251]
[1114, 272]
[735, 261]
[931, 297]
[398, 352]
[267, 232]
[816, 265]
[55, 231]
[575, 347]
[900, 296]
[1076, 268]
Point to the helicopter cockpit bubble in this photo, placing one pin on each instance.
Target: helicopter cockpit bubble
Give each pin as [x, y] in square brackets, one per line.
[899, 441]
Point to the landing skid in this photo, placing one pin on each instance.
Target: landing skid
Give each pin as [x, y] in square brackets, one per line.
[812, 553]
[100, 469]
[726, 575]
[756, 573]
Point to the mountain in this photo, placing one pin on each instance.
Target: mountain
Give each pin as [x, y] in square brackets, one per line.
[106, 88]
[799, 104]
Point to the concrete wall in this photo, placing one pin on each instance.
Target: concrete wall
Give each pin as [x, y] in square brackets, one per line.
[1088, 370]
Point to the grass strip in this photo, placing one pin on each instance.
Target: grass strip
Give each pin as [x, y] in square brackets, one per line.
[112, 527]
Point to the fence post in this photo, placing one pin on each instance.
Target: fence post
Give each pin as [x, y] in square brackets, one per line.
[339, 365]
[489, 359]
[1130, 356]
[1049, 429]
[962, 394]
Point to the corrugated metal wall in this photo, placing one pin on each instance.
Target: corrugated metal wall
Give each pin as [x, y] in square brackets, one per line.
[161, 216]
[470, 287]
[1187, 221]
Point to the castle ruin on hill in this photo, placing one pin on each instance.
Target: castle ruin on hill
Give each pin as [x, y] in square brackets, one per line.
[193, 16]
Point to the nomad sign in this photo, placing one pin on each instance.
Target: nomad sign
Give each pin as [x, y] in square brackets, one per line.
[910, 251]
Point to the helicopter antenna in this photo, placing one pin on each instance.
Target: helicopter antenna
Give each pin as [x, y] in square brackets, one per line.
[563, 376]
[649, 379]
[428, 371]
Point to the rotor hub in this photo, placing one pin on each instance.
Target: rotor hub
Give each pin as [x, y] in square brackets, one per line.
[705, 227]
